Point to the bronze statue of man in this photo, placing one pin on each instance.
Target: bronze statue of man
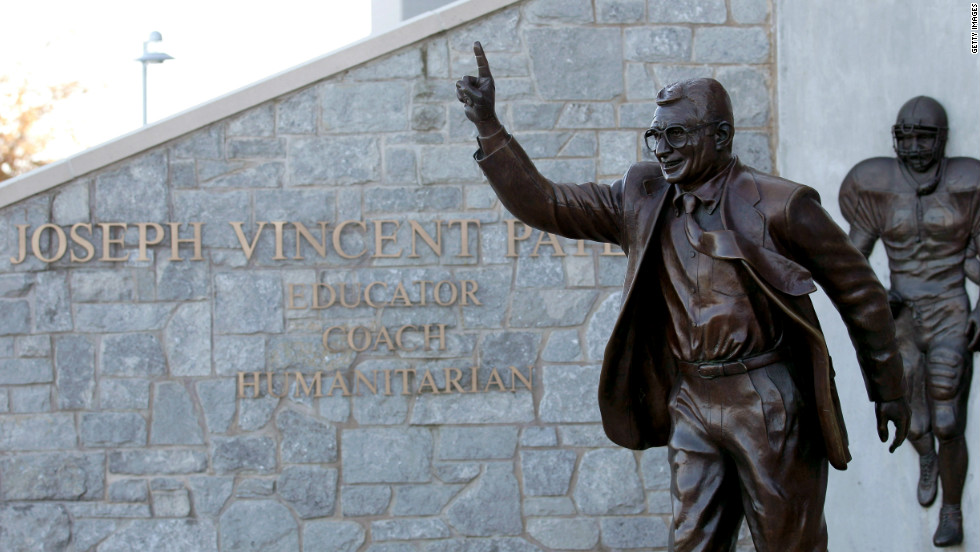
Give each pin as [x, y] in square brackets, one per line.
[717, 352]
[925, 208]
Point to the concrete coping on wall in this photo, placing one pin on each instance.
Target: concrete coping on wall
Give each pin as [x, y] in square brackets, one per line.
[132, 143]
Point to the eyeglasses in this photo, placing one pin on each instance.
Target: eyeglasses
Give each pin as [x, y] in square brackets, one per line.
[677, 136]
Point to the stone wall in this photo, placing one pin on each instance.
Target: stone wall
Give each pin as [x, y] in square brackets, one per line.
[121, 424]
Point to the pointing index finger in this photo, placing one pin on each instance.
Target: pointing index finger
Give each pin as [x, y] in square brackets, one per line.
[481, 60]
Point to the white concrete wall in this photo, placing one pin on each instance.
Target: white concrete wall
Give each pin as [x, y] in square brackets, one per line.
[844, 70]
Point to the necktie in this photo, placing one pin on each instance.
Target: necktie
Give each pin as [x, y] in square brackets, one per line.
[692, 228]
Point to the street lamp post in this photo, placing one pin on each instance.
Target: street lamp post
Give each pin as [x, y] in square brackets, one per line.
[150, 57]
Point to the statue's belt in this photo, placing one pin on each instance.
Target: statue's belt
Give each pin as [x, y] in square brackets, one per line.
[715, 369]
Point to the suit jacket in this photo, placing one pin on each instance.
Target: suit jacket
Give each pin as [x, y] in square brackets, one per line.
[774, 228]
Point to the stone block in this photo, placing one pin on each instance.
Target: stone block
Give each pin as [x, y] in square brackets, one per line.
[217, 399]
[297, 113]
[306, 439]
[52, 304]
[659, 502]
[696, 11]
[334, 161]
[731, 45]
[20, 371]
[558, 11]
[238, 353]
[752, 149]
[634, 532]
[348, 107]
[163, 535]
[174, 420]
[255, 413]
[38, 432]
[157, 461]
[492, 506]
[635, 115]
[378, 408]
[667, 74]
[535, 116]
[183, 175]
[428, 117]
[364, 500]
[612, 269]
[619, 11]
[409, 529]
[422, 500]
[123, 394]
[259, 526]
[565, 533]
[411, 464]
[15, 285]
[749, 93]
[71, 204]
[171, 503]
[400, 166]
[33, 346]
[436, 53]
[657, 44]
[104, 510]
[581, 144]
[584, 435]
[477, 443]
[478, 408]
[137, 191]
[536, 436]
[443, 164]
[400, 200]
[456, 472]
[261, 313]
[608, 483]
[332, 536]
[640, 82]
[215, 209]
[548, 506]
[243, 454]
[257, 121]
[111, 429]
[504, 349]
[750, 11]
[206, 143]
[601, 325]
[406, 64]
[547, 472]
[570, 394]
[255, 488]
[589, 66]
[504, 544]
[503, 26]
[80, 476]
[264, 175]
[210, 493]
[562, 346]
[122, 317]
[181, 280]
[617, 151]
[128, 490]
[209, 169]
[34, 527]
[102, 286]
[587, 115]
[305, 206]
[655, 469]
[33, 398]
[478, 197]
[188, 340]
[544, 308]
[310, 490]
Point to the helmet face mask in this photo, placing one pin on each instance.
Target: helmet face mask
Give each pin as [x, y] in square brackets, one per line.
[919, 134]
[919, 147]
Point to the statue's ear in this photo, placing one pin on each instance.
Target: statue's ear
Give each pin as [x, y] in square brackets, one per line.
[724, 132]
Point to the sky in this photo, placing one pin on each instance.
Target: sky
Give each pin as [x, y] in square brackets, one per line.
[218, 46]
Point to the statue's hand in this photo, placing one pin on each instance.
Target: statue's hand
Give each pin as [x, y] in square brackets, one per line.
[973, 331]
[477, 95]
[896, 412]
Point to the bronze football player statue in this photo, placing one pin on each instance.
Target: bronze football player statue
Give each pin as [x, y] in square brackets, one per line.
[717, 353]
[925, 208]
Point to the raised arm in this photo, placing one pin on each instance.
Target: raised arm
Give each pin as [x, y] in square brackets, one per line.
[579, 211]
